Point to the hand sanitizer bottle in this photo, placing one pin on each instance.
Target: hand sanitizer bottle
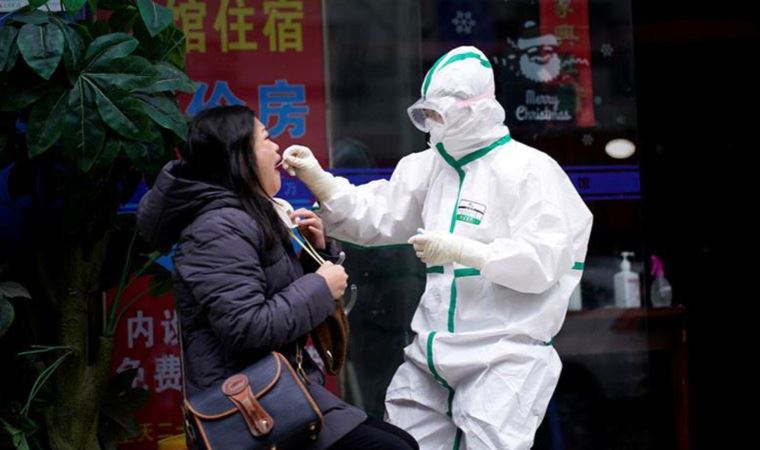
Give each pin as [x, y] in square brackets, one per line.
[627, 293]
[661, 293]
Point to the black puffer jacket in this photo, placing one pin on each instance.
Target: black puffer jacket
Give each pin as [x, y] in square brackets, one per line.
[237, 300]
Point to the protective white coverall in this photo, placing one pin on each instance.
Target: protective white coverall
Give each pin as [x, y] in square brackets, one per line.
[505, 237]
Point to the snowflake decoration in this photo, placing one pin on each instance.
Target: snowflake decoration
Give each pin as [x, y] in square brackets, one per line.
[587, 139]
[464, 22]
[597, 100]
[607, 50]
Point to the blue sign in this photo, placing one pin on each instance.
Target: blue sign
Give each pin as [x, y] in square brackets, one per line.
[286, 104]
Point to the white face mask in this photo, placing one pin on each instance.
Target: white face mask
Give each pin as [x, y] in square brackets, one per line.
[437, 131]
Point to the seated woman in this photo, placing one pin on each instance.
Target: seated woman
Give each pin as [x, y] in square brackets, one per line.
[240, 290]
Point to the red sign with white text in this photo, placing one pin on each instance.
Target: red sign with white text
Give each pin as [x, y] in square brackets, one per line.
[146, 338]
[567, 20]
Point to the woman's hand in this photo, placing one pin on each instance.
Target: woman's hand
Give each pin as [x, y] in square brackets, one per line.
[310, 226]
[336, 278]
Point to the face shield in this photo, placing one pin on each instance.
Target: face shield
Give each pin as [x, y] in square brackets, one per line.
[427, 113]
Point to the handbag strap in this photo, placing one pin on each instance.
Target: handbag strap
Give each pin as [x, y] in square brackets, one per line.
[299, 364]
[308, 248]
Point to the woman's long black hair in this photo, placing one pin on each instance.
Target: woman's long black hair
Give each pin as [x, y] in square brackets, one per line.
[219, 151]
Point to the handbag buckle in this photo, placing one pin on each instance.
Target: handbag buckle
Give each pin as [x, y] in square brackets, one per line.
[238, 389]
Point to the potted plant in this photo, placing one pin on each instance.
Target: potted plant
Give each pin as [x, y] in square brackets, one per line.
[87, 110]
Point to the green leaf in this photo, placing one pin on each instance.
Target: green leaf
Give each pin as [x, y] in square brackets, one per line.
[168, 46]
[147, 156]
[111, 107]
[130, 73]
[109, 153]
[166, 113]
[26, 424]
[85, 132]
[155, 17]
[35, 17]
[18, 437]
[46, 123]
[122, 19]
[82, 31]
[42, 48]
[7, 41]
[136, 151]
[106, 48]
[154, 137]
[42, 379]
[38, 349]
[73, 5]
[175, 46]
[171, 79]
[12, 55]
[73, 52]
[7, 315]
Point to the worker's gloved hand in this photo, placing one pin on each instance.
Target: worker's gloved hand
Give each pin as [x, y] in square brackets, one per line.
[300, 161]
[435, 248]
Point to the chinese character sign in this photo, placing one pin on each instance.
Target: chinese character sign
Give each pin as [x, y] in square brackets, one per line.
[147, 339]
[266, 54]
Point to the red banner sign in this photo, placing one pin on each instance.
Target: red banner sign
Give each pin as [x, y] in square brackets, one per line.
[567, 21]
[146, 339]
[266, 54]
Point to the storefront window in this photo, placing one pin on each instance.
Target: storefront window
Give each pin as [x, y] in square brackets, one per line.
[338, 76]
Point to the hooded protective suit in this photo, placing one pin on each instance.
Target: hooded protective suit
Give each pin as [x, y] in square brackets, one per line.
[504, 233]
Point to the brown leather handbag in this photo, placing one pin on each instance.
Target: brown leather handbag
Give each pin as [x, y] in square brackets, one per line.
[331, 339]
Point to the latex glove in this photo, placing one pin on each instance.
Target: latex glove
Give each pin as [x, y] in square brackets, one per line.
[300, 161]
[435, 248]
